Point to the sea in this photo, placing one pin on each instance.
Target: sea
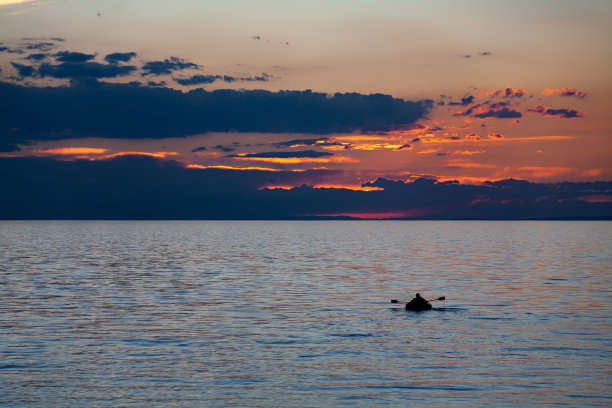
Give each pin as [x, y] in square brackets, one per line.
[299, 314]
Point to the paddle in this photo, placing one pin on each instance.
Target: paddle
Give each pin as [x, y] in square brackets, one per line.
[431, 300]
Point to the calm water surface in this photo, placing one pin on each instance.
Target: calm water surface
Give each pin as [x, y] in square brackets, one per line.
[297, 314]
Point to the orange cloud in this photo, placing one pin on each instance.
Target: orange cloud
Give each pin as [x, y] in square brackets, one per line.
[594, 172]
[359, 138]
[562, 113]
[429, 151]
[197, 166]
[541, 172]
[509, 92]
[160, 155]
[298, 160]
[565, 92]
[376, 146]
[469, 165]
[69, 151]
[344, 186]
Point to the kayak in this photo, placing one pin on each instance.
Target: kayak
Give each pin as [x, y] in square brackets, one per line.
[418, 307]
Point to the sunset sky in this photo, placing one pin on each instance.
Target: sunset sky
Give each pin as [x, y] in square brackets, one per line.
[472, 91]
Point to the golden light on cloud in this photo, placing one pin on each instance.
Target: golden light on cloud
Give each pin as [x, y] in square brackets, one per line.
[159, 155]
[376, 146]
[344, 186]
[198, 166]
[298, 160]
[72, 151]
[360, 138]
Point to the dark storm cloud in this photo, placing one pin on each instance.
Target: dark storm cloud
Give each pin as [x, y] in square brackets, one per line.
[131, 111]
[84, 70]
[146, 188]
[562, 113]
[503, 113]
[198, 149]
[284, 155]
[69, 56]
[24, 70]
[167, 66]
[36, 57]
[117, 57]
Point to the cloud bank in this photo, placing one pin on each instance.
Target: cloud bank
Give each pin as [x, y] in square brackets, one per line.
[137, 111]
[131, 187]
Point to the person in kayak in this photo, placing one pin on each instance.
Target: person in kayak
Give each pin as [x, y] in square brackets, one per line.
[418, 303]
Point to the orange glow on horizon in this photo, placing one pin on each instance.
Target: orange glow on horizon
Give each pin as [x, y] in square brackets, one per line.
[378, 215]
[353, 187]
[198, 166]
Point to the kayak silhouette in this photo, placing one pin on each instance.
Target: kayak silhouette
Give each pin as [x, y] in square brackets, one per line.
[419, 304]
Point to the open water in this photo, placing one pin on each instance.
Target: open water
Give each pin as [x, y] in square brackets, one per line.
[298, 314]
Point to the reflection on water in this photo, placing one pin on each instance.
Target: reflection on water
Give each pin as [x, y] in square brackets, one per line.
[298, 314]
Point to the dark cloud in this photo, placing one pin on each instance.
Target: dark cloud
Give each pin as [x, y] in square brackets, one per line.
[486, 53]
[41, 46]
[464, 101]
[224, 148]
[117, 57]
[509, 92]
[497, 105]
[36, 57]
[406, 146]
[284, 155]
[156, 83]
[9, 50]
[258, 78]
[69, 56]
[145, 188]
[300, 142]
[562, 113]
[198, 149]
[503, 113]
[130, 111]
[167, 66]
[468, 111]
[24, 70]
[56, 39]
[198, 80]
[209, 79]
[84, 70]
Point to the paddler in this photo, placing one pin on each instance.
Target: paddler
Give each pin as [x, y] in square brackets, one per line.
[418, 303]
